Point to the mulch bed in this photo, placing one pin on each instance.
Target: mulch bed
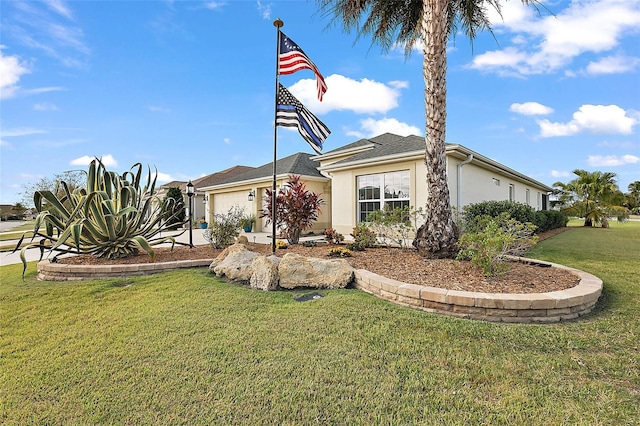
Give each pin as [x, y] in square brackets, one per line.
[402, 265]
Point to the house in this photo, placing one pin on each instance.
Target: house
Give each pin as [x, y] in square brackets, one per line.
[361, 177]
[199, 198]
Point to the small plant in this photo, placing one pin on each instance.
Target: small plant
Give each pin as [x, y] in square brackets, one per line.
[488, 240]
[333, 236]
[224, 228]
[339, 252]
[296, 208]
[363, 237]
[246, 222]
[309, 243]
[395, 226]
[281, 245]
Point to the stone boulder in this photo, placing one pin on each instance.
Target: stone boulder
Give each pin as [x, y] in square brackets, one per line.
[234, 263]
[299, 271]
[265, 273]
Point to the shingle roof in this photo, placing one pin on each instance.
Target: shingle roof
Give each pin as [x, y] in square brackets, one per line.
[384, 145]
[221, 176]
[296, 164]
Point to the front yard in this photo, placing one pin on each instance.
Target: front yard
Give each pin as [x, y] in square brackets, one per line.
[186, 348]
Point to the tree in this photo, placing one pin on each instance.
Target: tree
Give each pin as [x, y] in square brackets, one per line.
[430, 22]
[19, 208]
[632, 201]
[174, 209]
[592, 195]
[296, 208]
[73, 179]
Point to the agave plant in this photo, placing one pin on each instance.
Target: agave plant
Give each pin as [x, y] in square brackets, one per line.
[113, 217]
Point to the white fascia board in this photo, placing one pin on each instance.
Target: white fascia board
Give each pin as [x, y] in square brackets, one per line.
[342, 152]
[258, 182]
[405, 156]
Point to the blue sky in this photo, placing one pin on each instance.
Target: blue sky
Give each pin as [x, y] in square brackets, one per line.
[188, 87]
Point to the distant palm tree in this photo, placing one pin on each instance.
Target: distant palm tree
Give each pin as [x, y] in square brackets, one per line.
[592, 195]
[430, 22]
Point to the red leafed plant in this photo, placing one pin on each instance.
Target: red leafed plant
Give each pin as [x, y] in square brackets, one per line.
[296, 208]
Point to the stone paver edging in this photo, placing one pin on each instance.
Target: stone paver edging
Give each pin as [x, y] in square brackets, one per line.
[547, 307]
[48, 271]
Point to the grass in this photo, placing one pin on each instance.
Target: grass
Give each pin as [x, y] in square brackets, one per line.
[186, 348]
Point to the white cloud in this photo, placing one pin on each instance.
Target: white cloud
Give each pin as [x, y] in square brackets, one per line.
[39, 90]
[85, 160]
[592, 119]
[38, 28]
[530, 108]
[164, 177]
[264, 10]
[362, 97]
[11, 70]
[613, 65]
[370, 127]
[59, 7]
[213, 5]
[20, 131]
[545, 44]
[227, 141]
[45, 106]
[559, 173]
[153, 108]
[611, 160]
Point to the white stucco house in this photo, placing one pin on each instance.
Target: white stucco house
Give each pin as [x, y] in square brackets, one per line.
[368, 174]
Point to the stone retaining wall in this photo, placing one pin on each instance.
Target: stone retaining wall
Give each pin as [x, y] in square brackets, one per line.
[548, 307]
[48, 271]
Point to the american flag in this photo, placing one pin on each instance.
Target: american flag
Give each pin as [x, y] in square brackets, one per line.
[292, 58]
[291, 113]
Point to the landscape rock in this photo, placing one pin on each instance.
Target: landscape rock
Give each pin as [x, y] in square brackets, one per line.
[299, 271]
[234, 263]
[265, 273]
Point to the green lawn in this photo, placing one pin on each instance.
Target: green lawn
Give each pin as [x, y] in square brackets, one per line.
[185, 348]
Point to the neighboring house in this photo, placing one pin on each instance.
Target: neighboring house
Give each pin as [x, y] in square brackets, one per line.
[235, 190]
[199, 198]
[368, 174]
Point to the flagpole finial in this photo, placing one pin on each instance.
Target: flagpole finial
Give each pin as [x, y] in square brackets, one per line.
[278, 23]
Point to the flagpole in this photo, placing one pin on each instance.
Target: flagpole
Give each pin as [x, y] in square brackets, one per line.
[278, 24]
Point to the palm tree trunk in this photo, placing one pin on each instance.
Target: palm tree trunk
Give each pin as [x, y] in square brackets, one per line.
[438, 237]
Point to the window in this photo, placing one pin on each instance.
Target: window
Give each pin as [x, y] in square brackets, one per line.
[512, 192]
[377, 191]
[496, 182]
[527, 195]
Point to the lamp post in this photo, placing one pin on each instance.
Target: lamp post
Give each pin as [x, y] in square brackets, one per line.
[190, 192]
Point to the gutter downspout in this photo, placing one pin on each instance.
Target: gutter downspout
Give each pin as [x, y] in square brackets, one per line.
[459, 180]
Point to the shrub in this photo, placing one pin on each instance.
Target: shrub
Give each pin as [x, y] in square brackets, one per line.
[489, 239]
[112, 217]
[309, 244]
[363, 237]
[545, 220]
[518, 211]
[339, 252]
[333, 236]
[224, 228]
[394, 225]
[173, 211]
[296, 208]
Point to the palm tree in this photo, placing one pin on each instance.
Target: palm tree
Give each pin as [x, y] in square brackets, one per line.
[592, 195]
[430, 22]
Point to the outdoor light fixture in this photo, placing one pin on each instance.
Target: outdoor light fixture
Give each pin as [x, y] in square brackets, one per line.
[190, 192]
[252, 195]
[204, 200]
